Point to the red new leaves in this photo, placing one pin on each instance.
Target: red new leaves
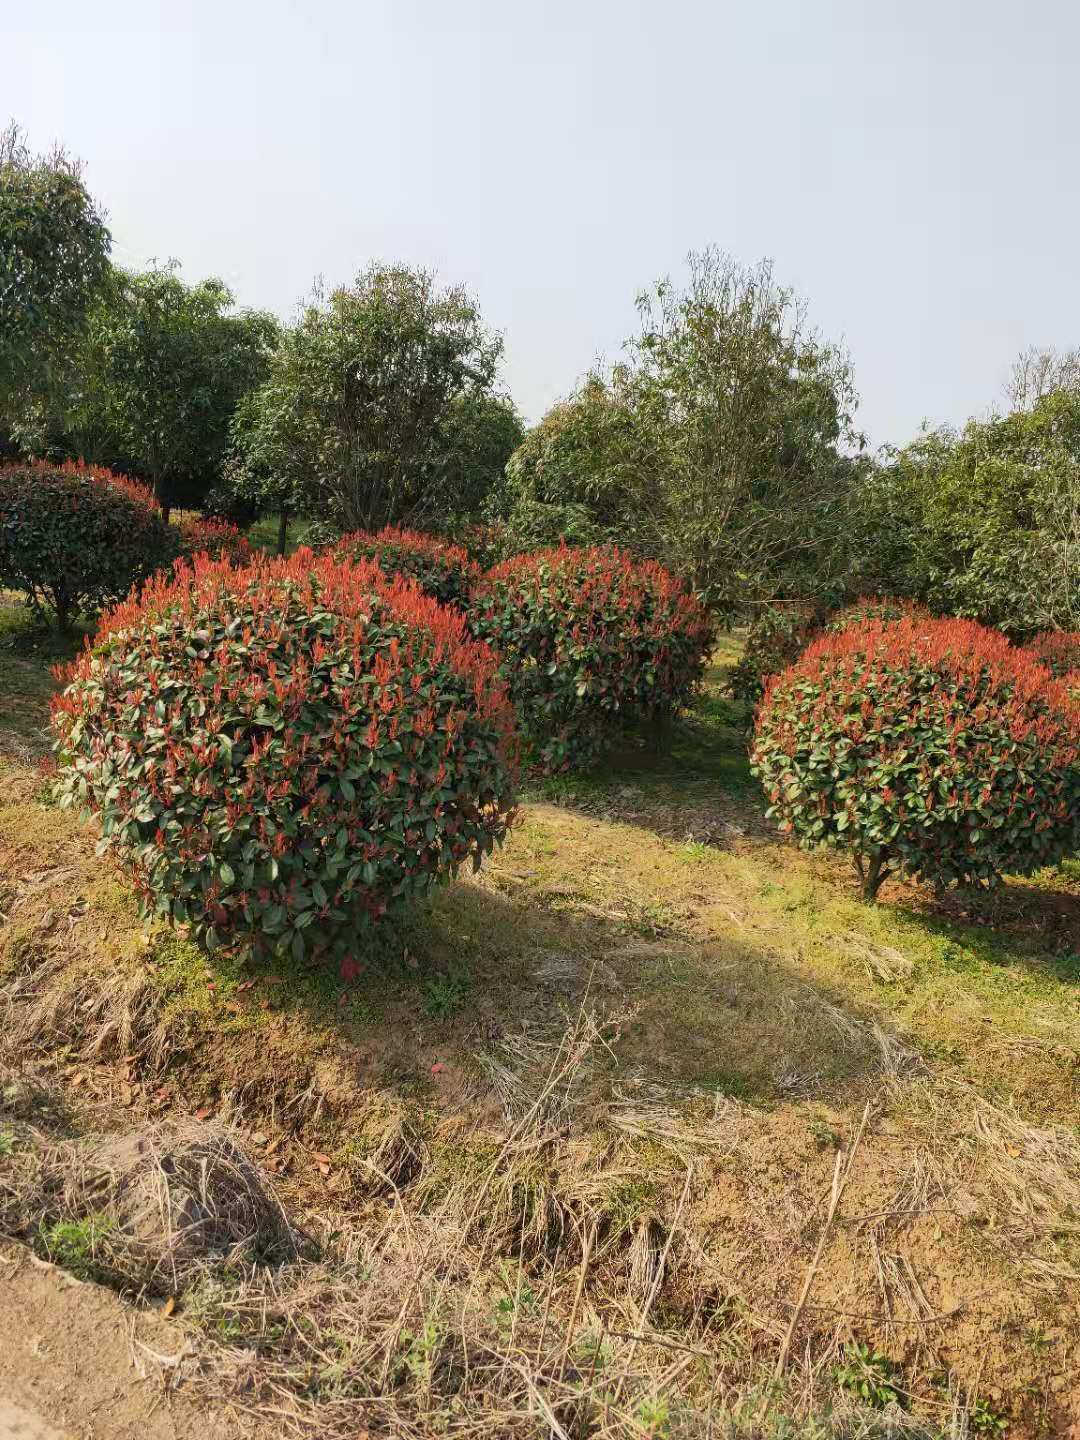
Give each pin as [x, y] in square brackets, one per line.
[1059, 651]
[284, 750]
[441, 569]
[933, 746]
[587, 637]
[211, 536]
[74, 536]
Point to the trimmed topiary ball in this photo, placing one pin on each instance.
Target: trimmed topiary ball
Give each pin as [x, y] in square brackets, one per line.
[933, 747]
[213, 536]
[441, 569]
[589, 637]
[283, 751]
[73, 537]
[778, 635]
[1059, 651]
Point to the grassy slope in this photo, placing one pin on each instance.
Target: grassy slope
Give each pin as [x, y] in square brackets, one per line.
[750, 1006]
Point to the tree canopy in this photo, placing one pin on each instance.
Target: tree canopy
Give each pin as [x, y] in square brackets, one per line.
[167, 365]
[985, 522]
[723, 442]
[352, 421]
[54, 262]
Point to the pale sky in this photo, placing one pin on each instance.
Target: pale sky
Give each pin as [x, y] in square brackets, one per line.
[910, 168]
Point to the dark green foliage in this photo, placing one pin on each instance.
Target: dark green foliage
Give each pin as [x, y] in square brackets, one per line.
[367, 396]
[982, 523]
[282, 752]
[54, 259]
[580, 475]
[477, 436]
[778, 635]
[871, 1375]
[166, 366]
[588, 638]
[74, 537]
[933, 747]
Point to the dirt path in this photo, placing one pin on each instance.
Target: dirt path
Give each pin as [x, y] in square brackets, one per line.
[71, 1366]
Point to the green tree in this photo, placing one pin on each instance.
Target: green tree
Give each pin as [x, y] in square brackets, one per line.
[166, 366]
[722, 444]
[351, 424]
[54, 261]
[985, 522]
[749, 415]
[479, 433]
[584, 472]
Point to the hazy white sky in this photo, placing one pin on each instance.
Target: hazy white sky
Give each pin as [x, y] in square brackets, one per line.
[912, 169]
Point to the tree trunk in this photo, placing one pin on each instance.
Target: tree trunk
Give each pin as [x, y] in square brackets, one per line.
[661, 723]
[282, 530]
[875, 875]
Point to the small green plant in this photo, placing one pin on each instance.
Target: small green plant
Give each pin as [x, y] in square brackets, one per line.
[871, 1375]
[445, 994]
[520, 1303]
[825, 1137]
[592, 1351]
[7, 1143]
[985, 1420]
[73, 1244]
[419, 1351]
[1038, 1340]
[654, 1416]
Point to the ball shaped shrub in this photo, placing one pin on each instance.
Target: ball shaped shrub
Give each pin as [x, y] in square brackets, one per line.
[282, 751]
[73, 537]
[213, 536]
[1059, 651]
[587, 637]
[777, 636]
[442, 569]
[934, 747]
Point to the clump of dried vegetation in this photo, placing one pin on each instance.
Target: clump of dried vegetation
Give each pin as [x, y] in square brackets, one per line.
[577, 1271]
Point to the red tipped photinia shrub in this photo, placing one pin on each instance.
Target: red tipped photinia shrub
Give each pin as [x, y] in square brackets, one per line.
[280, 752]
[73, 537]
[883, 608]
[588, 637]
[1059, 651]
[218, 538]
[930, 746]
[441, 569]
